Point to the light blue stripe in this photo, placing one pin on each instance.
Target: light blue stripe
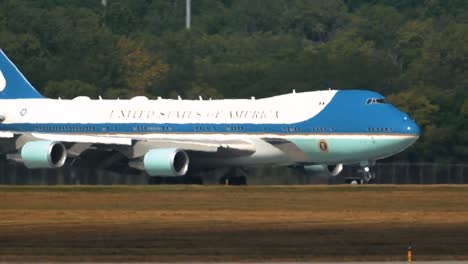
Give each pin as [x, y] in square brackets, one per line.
[349, 149]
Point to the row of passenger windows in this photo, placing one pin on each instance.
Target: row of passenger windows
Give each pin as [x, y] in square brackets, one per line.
[152, 128]
[234, 128]
[197, 128]
[379, 129]
[66, 128]
[291, 129]
[321, 129]
[204, 128]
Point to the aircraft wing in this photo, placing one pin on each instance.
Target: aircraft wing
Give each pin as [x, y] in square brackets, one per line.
[119, 152]
[138, 146]
[289, 148]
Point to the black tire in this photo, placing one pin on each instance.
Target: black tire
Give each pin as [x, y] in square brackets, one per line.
[238, 180]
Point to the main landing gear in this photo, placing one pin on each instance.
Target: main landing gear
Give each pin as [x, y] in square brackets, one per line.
[223, 176]
[234, 176]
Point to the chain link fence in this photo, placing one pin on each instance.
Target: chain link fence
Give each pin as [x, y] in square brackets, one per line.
[386, 173]
[413, 173]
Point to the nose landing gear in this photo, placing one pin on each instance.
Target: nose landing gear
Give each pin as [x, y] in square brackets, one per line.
[365, 175]
[368, 175]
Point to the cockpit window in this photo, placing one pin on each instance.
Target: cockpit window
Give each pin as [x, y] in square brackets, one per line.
[376, 101]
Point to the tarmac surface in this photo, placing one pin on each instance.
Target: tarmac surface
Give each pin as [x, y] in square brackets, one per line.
[353, 262]
[200, 224]
[378, 262]
[386, 262]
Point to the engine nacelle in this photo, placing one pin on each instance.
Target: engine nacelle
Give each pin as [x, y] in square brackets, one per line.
[43, 154]
[166, 162]
[331, 170]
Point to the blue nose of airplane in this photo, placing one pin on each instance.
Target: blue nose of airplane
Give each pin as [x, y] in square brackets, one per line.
[410, 126]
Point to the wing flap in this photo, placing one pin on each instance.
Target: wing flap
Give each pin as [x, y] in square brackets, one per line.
[6, 134]
[235, 147]
[107, 140]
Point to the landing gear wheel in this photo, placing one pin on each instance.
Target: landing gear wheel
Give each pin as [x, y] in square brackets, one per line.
[235, 176]
[353, 181]
[238, 180]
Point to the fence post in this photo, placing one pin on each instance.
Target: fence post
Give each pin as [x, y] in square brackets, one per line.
[421, 172]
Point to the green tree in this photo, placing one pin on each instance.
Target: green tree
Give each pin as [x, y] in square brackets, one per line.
[140, 69]
[78, 46]
[423, 111]
[315, 20]
[411, 39]
[379, 24]
[69, 89]
[443, 63]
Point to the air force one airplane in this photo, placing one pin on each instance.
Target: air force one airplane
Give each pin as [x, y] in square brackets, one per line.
[320, 130]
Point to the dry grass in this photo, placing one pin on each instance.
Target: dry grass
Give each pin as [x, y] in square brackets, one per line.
[207, 223]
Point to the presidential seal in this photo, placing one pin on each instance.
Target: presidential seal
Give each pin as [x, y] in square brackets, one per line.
[323, 145]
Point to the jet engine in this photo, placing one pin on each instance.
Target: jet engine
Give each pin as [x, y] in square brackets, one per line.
[43, 154]
[166, 162]
[331, 170]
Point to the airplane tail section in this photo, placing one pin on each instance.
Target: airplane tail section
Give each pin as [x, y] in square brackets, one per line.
[13, 85]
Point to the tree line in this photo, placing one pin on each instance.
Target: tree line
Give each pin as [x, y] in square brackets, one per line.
[415, 52]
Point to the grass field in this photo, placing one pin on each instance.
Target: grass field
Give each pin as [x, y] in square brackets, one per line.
[220, 223]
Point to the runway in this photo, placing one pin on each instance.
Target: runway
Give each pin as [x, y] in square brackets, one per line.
[233, 224]
[371, 262]
[392, 262]
[352, 262]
